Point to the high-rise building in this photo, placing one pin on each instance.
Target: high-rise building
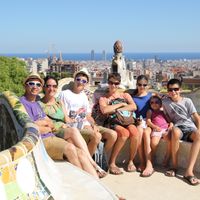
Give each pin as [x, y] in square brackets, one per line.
[92, 55]
[104, 55]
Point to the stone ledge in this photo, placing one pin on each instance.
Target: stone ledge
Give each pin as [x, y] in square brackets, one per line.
[160, 153]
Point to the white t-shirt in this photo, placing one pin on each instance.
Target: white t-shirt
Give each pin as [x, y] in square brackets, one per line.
[77, 106]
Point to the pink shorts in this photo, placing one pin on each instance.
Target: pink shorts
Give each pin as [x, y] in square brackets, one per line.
[159, 133]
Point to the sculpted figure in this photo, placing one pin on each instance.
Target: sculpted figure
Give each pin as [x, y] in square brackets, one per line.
[118, 47]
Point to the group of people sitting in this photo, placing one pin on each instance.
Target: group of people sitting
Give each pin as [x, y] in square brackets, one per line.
[70, 132]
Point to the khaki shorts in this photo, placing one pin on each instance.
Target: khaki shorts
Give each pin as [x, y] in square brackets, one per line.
[85, 132]
[103, 130]
[55, 147]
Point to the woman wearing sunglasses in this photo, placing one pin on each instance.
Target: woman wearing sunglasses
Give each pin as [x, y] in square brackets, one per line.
[123, 132]
[55, 110]
[141, 97]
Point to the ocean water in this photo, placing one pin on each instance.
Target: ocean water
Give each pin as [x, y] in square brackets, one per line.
[99, 56]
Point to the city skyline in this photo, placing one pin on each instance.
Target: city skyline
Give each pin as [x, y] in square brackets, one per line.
[81, 26]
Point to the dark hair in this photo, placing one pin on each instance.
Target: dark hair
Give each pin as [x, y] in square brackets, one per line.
[115, 76]
[142, 77]
[157, 98]
[50, 77]
[174, 81]
[139, 78]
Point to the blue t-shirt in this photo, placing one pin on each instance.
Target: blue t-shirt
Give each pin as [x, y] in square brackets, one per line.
[35, 112]
[143, 105]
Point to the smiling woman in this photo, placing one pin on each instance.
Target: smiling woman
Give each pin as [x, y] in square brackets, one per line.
[56, 111]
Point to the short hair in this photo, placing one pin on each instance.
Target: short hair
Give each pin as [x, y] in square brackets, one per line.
[50, 77]
[115, 76]
[174, 81]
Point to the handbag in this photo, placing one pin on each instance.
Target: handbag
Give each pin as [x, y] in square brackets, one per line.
[121, 117]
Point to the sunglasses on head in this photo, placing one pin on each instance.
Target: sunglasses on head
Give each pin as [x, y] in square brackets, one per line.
[81, 80]
[49, 86]
[140, 85]
[34, 83]
[173, 89]
[113, 83]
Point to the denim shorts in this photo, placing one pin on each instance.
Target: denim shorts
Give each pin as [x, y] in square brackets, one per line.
[186, 132]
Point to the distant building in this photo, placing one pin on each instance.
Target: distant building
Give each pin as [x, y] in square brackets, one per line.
[104, 55]
[191, 83]
[92, 55]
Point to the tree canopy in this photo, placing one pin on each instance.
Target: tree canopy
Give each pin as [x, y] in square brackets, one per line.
[12, 73]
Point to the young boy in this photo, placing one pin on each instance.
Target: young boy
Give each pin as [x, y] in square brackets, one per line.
[78, 109]
[183, 115]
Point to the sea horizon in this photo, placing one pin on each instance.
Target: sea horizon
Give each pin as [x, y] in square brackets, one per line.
[108, 56]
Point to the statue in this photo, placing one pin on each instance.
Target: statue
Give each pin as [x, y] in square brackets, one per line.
[119, 66]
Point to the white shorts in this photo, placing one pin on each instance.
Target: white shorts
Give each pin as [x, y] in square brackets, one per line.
[143, 123]
[159, 133]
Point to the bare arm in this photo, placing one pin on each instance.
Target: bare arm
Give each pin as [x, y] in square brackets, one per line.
[130, 106]
[45, 125]
[67, 118]
[109, 109]
[149, 122]
[196, 118]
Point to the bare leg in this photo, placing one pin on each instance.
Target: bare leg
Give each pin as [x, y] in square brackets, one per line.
[71, 154]
[147, 149]
[193, 153]
[94, 139]
[85, 163]
[141, 149]
[110, 136]
[134, 142]
[154, 144]
[175, 146]
[117, 147]
[73, 135]
[168, 151]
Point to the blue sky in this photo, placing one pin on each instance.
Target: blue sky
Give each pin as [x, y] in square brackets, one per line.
[78, 26]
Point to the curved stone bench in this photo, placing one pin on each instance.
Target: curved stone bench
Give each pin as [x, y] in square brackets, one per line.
[27, 172]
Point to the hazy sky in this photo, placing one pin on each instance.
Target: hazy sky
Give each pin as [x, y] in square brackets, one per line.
[78, 26]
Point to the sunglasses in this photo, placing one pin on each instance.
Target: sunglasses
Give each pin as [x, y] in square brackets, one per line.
[173, 89]
[154, 102]
[33, 83]
[81, 80]
[140, 85]
[49, 86]
[113, 83]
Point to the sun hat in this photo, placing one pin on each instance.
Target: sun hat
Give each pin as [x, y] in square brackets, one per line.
[34, 76]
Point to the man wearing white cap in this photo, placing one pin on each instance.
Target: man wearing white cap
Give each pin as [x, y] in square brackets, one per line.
[79, 112]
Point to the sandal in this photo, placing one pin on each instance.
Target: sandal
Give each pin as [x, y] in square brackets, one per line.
[101, 173]
[131, 168]
[192, 180]
[145, 175]
[115, 170]
[171, 172]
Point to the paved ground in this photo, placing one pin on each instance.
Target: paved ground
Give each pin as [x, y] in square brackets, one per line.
[157, 187]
